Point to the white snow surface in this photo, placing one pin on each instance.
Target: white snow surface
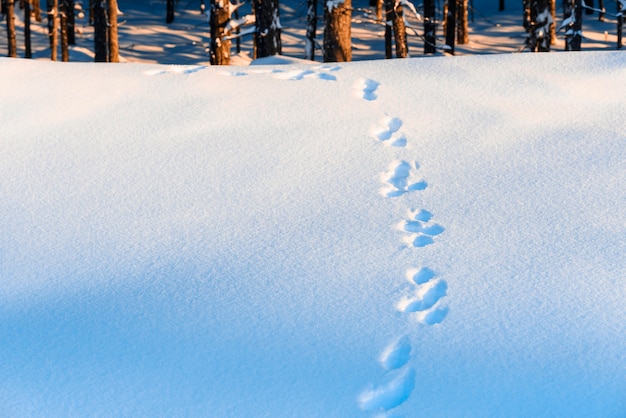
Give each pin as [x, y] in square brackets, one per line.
[441, 237]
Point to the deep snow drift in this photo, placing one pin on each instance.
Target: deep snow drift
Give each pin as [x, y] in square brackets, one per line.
[426, 237]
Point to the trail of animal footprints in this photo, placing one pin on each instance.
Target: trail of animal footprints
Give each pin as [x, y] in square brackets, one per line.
[423, 301]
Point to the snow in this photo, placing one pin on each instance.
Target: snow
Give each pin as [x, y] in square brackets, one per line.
[423, 237]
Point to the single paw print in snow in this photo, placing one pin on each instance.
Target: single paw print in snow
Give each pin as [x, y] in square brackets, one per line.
[398, 179]
[388, 132]
[367, 89]
[421, 228]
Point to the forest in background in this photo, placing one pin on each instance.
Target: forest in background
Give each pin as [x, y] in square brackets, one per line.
[222, 32]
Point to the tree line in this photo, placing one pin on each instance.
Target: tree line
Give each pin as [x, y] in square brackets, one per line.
[263, 24]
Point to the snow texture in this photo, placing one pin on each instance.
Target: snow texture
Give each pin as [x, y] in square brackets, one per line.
[424, 237]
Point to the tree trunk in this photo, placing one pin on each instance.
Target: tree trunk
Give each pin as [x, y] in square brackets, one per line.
[337, 31]
[552, 5]
[267, 34]
[65, 54]
[462, 28]
[501, 5]
[36, 8]
[451, 25]
[11, 37]
[28, 53]
[114, 49]
[538, 24]
[621, 9]
[395, 19]
[574, 33]
[52, 7]
[311, 30]
[430, 27]
[100, 31]
[220, 46]
[169, 12]
[71, 23]
[388, 34]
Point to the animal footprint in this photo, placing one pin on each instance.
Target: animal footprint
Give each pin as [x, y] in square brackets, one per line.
[420, 276]
[391, 394]
[425, 297]
[367, 88]
[422, 229]
[300, 74]
[176, 69]
[397, 179]
[433, 316]
[397, 354]
[388, 131]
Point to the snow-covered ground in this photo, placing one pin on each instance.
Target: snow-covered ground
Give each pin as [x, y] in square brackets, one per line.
[435, 237]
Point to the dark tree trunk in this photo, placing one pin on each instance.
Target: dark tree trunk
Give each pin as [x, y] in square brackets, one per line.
[28, 53]
[100, 30]
[311, 30]
[430, 27]
[462, 27]
[267, 34]
[65, 54]
[220, 46]
[451, 25]
[337, 31]
[574, 32]
[52, 7]
[552, 6]
[169, 12]
[501, 5]
[114, 49]
[388, 33]
[538, 24]
[71, 23]
[11, 37]
[620, 21]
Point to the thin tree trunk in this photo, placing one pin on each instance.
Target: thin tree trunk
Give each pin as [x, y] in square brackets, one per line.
[169, 12]
[220, 46]
[65, 54]
[267, 34]
[337, 31]
[311, 30]
[620, 21]
[388, 31]
[114, 49]
[52, 8]
[552, 5]
[573, 36]
[71, 23]
[36, 8]
[451, 25]
[100, 30]
[430, 27]
[28, 53]
[462, 28]
[11, 36]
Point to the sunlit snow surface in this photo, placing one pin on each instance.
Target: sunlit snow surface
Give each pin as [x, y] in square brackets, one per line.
[427, 237]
